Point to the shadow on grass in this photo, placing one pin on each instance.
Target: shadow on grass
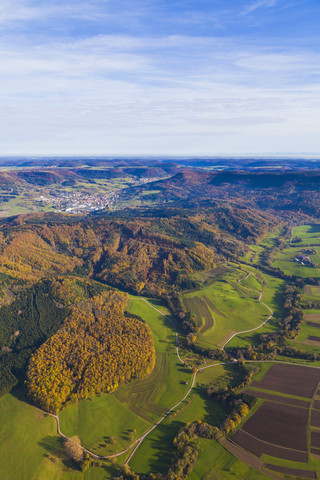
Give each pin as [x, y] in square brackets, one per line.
[216, 413]
[54, 446]
[20, 394]
[162, 447]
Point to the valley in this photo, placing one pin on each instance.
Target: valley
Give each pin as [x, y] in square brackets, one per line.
[166, 342]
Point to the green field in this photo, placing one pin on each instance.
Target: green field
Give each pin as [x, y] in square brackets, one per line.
[233, 308]
[154, 453]
[285, 260]
[309, 234]
[215, 462]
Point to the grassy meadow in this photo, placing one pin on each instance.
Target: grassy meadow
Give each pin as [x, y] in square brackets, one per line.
[233, 307]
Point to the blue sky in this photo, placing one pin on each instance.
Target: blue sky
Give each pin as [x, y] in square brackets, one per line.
[108, 77]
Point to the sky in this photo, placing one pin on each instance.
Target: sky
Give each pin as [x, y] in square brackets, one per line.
[159, 77]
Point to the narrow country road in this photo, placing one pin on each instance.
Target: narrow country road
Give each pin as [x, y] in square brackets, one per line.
[259, 326]
[135, 445]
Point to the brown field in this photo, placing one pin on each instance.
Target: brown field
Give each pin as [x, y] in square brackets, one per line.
[313, 317]
[278, 398]
[315, 453]
[316, 404]
[291, 379]
[315, 439]
[279, 424]
[242, 454]
[313, 324]
[258, 447]
[292, 471]
[313, 338]
[315, 418]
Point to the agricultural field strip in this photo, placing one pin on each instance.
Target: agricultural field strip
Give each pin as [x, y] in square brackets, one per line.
[259, 326]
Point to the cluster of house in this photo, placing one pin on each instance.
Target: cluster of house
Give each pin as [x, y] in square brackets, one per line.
[305, 259]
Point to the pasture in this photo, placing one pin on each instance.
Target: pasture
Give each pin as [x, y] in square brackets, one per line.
[309, 234]
[285, 260]
[40, 455]
[155, 452]
[232, 307]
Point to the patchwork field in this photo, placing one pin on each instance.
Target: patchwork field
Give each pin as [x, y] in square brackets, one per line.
[284, 427]
[290, 380]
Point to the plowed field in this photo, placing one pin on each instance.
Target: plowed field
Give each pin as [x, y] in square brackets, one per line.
[258, 447]
[291, 379]
[279, 424]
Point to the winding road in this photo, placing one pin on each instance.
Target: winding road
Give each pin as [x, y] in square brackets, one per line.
[259, 326]
[135, 445]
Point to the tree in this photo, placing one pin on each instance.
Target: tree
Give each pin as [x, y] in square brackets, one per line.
[73, 449]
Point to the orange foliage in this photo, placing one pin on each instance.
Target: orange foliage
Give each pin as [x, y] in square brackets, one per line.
[97, 348]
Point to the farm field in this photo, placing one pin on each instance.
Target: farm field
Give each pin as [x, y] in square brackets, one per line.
[41, 455]
[224, 307]
[215, 461]
[309, 234]
[283, 428]
[272, 289]
[285, 260]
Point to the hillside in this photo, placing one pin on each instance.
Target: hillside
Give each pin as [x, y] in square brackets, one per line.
[279, 192]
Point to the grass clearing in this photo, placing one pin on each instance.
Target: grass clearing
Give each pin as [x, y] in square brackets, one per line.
[23, 425]
[154, 453]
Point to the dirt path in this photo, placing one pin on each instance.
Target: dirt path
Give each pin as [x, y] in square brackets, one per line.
[259, 326]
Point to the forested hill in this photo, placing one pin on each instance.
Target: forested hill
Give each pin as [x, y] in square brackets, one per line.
[279, 192]
[51, 262]
[145, 255]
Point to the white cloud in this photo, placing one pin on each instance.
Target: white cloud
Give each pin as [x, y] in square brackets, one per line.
[250, 8]
[113, 93]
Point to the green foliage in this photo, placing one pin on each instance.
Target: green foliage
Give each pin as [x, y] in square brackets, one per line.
[24, 325]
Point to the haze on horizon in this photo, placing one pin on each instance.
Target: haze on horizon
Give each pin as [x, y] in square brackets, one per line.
[160, 77]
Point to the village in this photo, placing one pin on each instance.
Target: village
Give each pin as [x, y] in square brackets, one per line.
[78, 202]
